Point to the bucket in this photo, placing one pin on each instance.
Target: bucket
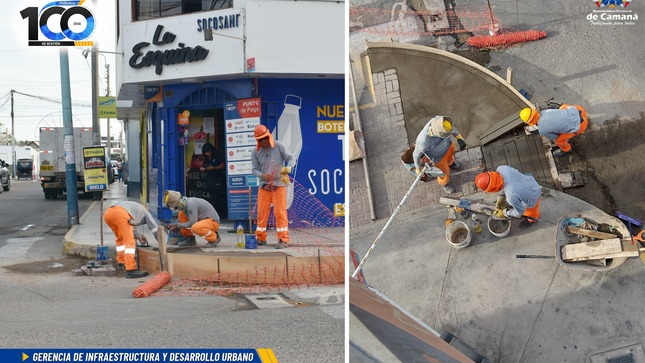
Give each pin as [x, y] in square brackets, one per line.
[250, 242]
[102, 253]
[458, 234]
[499, 227]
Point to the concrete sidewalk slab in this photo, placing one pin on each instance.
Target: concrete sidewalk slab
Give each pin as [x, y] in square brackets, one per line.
[508, 309]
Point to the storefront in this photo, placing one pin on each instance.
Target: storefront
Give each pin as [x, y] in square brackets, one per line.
[200, 93]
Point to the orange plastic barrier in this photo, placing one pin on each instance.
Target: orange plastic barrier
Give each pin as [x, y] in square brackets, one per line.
[152, 285]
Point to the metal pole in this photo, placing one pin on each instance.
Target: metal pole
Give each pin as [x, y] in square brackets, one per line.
[109, 140]
[96, 125]
[13, 141]
[70, 155]
[359, 127]
[101, 221]
[396, 211]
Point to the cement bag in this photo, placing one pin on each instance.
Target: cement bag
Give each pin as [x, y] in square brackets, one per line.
[356, 145]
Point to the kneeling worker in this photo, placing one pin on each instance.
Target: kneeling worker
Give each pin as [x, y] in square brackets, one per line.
[558, 125]
[122, 217]
[519, 190]
[196, 217]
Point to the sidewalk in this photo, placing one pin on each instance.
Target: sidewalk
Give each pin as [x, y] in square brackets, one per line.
[509, 309]
[323, 247]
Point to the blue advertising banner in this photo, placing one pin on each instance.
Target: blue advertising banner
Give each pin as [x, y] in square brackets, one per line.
[260, 355]
[311, 124]
[241, 117]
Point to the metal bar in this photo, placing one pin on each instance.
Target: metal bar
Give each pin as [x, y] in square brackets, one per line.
[396, 211]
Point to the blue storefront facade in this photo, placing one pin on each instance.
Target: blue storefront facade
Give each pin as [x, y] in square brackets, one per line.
[217, 98]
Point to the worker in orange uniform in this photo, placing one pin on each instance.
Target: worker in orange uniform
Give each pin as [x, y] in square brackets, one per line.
[268, 160]
[434, 142]
[122, 217]
[196, 217]
[558, 125]
[519, 190]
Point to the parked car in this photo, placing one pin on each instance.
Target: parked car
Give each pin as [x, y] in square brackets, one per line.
[5, 176]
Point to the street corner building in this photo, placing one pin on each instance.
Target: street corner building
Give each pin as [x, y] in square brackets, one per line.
[206, 73]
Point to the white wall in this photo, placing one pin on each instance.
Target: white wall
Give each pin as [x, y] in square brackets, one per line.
[296, 37]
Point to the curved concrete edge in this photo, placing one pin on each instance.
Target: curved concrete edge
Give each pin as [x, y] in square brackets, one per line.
[453, 57]
[74, 248]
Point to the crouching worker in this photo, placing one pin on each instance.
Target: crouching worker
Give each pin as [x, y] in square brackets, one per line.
[558, 125]
[196, 217]
[520, 191]
[122, 217]
[408, 162]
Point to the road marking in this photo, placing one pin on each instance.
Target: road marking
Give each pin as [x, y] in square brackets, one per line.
[29, 226]
[18, 247]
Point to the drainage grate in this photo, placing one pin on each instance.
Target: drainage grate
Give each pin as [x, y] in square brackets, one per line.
[629, 358]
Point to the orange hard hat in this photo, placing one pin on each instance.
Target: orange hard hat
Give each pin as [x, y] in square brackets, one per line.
[260, 132]
[489, 181]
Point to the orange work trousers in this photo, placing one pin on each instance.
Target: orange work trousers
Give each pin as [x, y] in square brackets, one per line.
[279, 200]
[118, 219]
[562, 141]
[206, 228]
[444, 165]
[533, 212]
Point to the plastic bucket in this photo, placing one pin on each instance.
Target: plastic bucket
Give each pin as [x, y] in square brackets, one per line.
[102, 253]
[250, 242]
[458, 234]
[499, 227]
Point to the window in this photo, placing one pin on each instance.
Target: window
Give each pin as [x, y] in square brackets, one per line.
[152, 9]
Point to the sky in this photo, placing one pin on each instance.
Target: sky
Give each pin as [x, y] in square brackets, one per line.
[36, 71]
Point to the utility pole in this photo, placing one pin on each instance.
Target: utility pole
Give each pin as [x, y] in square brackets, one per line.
[13, 141]
[96, 126]
[70, 154]
[109, 141]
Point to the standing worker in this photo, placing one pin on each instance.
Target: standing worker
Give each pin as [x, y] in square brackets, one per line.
[434, 142]
[196, 217]
[521, 191]
[122, 217]
[268, 159]
[558, 125]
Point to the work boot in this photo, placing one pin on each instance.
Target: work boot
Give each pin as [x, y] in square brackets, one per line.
[281, 245]
[526, 223]
[559, 153]
[188, 242]
[455, 166]
[448, 188]
[218, 240]
[262, 243]
[135, 274]
[120, 266]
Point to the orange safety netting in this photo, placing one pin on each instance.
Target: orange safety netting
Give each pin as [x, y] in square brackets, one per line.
[152, 285]
[404, 21]
[505, 39]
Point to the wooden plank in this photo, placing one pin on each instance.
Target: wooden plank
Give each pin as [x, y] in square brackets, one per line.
[594, 248]
[502, 127]
[628, 250]
[590, 233]
[163, 257]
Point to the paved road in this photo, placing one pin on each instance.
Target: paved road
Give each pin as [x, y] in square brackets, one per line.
[44, 306]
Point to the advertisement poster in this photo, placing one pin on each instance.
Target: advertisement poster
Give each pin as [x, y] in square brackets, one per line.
[241, 118]
[95, 167]
[311, 125]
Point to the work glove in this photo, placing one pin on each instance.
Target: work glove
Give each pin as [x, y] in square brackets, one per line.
[285, 179]
[461, 142]
[417, 171]
[171, 226]
[500, 203]
[285, 170]
[500, 214]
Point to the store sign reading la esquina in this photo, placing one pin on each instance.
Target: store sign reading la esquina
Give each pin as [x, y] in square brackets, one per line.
[159, 58]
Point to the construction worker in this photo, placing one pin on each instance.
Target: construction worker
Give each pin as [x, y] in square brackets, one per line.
[558, 125]
[196, 217]
[268, 160]
[520, 191]
[434, 142]
[122, 217]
